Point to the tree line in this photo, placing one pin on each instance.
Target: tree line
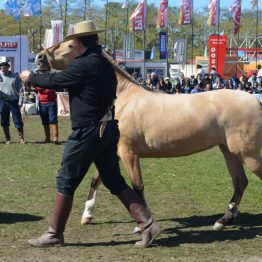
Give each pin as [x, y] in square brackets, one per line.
[115, 19]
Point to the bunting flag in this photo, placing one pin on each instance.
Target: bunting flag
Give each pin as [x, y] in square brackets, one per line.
[162, 14]
[138, 17]
[213, 12]
[125, 4]
[254, 3]
[32, 8]
[12, 8]
[185, 16]
[235, 9]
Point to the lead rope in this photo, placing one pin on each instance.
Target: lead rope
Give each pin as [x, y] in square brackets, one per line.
[107, 117]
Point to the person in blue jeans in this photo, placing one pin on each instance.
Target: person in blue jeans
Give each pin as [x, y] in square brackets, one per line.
[48, 112]
[11, 97]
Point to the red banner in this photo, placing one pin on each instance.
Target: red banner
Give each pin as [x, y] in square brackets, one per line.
[235, 9]
[217, 52]
[185, 16]
[138, 17]
[162, 14]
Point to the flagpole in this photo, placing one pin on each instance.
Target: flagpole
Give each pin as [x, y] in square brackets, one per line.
[144, 31]
[40, 33]
[127, 9]
[65, 17]
[106, 22]
[256, 33]
[20, 45]
[218, 33]
[85, 11]
[167, 53]
[192, 27]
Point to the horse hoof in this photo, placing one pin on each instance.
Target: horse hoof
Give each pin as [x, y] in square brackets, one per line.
[137, 230]
[218, 226]
[86, 220]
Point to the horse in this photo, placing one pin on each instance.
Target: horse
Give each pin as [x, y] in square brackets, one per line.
[159, 125]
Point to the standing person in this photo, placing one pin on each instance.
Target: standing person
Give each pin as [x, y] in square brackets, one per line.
[48, 112]
[259, 71]
[91, 83]
[200, 70]
[11, 96]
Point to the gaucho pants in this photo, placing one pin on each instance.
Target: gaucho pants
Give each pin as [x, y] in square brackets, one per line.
[84, 147]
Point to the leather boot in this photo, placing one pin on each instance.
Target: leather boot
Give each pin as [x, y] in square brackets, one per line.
[54, 235]
[139, 211]
[54, 128]
[47, 133]
[7, 135]
[21, 135]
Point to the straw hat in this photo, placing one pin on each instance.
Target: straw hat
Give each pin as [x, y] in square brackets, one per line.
[84, 28]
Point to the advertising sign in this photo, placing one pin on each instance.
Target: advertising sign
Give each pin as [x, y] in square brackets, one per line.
[217, 52]
[162, 45]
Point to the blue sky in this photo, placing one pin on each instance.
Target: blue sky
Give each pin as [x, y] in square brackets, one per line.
[197, 3]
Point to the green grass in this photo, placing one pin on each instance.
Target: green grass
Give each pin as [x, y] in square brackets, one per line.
[186, 195]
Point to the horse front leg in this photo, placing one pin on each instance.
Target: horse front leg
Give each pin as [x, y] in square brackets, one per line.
[240, 182]
[90, 203]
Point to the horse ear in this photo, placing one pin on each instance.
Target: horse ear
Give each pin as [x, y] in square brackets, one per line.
[43, 46]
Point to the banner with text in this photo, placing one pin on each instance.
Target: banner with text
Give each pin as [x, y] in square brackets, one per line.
[217, 52]
[162, 45]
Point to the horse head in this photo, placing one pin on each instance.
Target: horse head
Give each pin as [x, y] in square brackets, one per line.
[57, 57]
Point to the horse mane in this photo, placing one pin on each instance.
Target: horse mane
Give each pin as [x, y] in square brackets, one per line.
[125, 74]
[118, 69]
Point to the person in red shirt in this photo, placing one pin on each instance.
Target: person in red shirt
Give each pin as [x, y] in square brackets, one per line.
[48, 112]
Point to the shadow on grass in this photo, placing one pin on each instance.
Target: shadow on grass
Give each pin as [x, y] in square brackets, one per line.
[246, 226]
[11, 218]
[242, 219]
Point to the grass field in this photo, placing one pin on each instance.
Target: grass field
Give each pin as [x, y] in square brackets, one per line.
[186, 196]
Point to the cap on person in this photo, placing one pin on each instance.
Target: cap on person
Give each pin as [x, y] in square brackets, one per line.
[84, 28]
[4, 64]
[167, 78]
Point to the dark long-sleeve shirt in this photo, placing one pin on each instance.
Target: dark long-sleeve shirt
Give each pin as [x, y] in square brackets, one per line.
[91, 84]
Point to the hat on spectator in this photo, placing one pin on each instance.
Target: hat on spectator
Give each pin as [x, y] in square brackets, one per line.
[84, 28]
[167, 78]
[4, 64]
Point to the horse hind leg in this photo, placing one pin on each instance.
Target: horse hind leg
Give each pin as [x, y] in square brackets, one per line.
[90, 203]
[240, 182]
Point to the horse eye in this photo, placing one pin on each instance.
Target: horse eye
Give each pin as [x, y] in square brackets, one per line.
[71, 46]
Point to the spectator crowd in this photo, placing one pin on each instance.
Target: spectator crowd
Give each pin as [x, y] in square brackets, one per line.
[205, 81]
